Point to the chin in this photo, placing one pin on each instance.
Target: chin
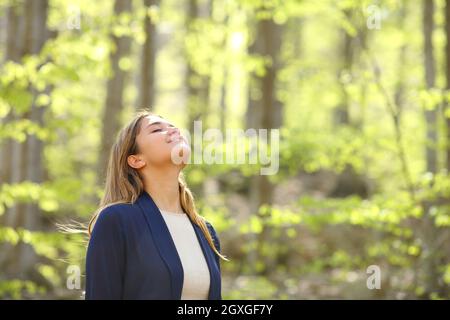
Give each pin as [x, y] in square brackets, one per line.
[180, 154]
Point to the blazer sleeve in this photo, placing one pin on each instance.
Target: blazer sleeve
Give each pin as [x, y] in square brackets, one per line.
[216, 242]
[105, 258]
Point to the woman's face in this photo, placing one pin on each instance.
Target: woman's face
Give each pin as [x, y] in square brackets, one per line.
[159, 143]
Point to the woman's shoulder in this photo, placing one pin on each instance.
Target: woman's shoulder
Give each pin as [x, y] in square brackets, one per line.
[117, 216]
[117, 211]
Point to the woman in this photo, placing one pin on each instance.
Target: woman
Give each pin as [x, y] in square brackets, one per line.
[147, 240]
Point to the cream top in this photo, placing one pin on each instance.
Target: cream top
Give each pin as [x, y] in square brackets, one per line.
[196, 272]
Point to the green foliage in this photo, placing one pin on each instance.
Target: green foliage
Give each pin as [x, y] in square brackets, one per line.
[16, 289]
[251, 288]
[29, 192]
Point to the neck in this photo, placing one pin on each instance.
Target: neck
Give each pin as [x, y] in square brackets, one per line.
[162, 185]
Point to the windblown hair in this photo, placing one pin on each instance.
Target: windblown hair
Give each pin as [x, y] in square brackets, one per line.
[124, 185]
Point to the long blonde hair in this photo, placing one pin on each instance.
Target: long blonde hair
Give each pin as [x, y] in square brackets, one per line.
[124, 185]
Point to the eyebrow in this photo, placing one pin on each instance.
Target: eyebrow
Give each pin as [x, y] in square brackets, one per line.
[158, 122]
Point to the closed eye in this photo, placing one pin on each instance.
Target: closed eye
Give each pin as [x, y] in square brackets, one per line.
[156, 130]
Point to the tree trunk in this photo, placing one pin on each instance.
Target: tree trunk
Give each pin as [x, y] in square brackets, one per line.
[429, 259]
[34, 164]
[114, 93]
[264, 113]
[12, 54]
[430, 75]
[25, 163]
[447, 75]
[19, 20]
[341, 112]
[197, 85]
[348, 181]
[146, 93]
[429, 276]
[445, 288]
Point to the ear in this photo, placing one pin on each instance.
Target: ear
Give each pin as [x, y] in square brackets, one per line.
[135, 161]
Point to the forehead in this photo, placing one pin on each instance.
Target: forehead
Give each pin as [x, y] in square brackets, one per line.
[151, 119]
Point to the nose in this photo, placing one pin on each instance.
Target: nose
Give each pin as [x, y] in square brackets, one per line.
[172, 133]
[172, 130]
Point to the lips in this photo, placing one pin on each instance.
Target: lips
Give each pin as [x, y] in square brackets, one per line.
[176, 138]
[180, 150]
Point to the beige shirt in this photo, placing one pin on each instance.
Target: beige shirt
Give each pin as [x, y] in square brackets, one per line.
[196, 272]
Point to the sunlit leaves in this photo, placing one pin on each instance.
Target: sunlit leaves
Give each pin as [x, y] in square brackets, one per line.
[18, 130]
[430, 99]
[16, 289]
[218, 216]
[28, 192]
[447, 274]
[251, 288]
[312, 150]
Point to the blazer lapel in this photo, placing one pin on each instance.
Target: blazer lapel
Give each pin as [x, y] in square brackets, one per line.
[163, 241]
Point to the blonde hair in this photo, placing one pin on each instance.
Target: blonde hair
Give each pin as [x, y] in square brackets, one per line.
[124, 185]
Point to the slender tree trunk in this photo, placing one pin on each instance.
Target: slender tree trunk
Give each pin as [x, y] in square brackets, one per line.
[430, 75]
[197, 85]
[12, 54]
[223, 102]
[13, 160]
[225, 65]
[34, 164]
[114, 92]
[25, 163]
[264, 112]
[348, 181]
[429, 269]
[341, 112]
[146, 93]
[447, 75]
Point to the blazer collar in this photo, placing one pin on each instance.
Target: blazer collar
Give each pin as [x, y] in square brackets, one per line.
[167, 250]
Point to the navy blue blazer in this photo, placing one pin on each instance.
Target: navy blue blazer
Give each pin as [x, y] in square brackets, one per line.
[131, 255]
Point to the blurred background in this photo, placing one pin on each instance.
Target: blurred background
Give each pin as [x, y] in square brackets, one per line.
[358, 90]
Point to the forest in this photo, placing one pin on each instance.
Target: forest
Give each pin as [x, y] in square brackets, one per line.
[349, 198]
